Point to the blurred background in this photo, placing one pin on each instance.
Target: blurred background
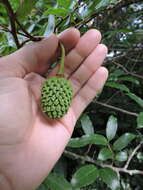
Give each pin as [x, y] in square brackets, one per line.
[105, 151]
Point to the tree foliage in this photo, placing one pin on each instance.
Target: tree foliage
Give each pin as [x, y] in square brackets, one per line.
[105, 149]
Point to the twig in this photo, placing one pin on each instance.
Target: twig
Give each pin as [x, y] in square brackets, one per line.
[117, 6]
[32, 38]
[130, 172]
[136, 75]
[86, 20]
[128, 72]
[4, 28]
[89, 159]
[116, 108]
[84, 158]
[132, 155]
[116, 93]
[35, 39]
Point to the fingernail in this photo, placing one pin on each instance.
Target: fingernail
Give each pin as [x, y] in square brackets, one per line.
[65, 31]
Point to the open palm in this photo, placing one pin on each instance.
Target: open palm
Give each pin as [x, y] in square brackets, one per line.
[30, 144]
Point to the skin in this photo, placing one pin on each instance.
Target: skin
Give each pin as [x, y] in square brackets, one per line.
[31, 144]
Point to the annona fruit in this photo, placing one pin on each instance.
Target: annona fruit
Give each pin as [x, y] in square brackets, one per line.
[56, 92]
[56, 96]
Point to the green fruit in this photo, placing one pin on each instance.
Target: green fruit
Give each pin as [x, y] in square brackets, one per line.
[56, 96]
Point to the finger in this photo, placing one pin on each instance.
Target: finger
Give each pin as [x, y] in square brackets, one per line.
[89, 66]
[69, 38]
[84, 47]
[37, 56]
[86, 94]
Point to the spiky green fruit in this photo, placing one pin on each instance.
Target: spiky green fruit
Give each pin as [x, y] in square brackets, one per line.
[56, 96]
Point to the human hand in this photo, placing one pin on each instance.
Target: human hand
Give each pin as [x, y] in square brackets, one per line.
[30, 144]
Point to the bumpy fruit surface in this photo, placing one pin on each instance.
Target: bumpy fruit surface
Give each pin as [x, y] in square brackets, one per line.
[56, 96]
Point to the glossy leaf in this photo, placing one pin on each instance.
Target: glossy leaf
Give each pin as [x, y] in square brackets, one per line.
[118, 86]
[99, 140]
[87, 125]
[136, 98]
[25, 8]
[84, 176]
[129, 79]
[115, 75]
[64, 3]
[87, 139]
[57, 182]
[57, 12]
[102, 3]
[121, 156]
[110, 178]
[111, 127]
[123, 141]
[140, 155]
[140, 120]
[105, 154]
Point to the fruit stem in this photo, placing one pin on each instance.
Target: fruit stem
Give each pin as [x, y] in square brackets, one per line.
[62, 60]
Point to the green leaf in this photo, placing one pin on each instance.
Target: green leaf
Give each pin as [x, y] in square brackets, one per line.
[140, 120]
[129, 79]
[79, 142]
[136, 98]
[64, 3]
[123, 141]
[111, 128]
[105, 154]
[102, 3]
[57, 182]
[57, 12]
[121, 156]
[114, 75]
[84, 176]
[99, 140]
[87, 139]
[87, 125]
[110, 178]
[140, 155]
[117, 86]
[25, 8]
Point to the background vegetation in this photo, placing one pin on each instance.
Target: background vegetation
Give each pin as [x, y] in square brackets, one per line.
[105, 151]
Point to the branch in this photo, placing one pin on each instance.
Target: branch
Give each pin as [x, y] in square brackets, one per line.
[128, 72]
[123, 170]
[12, 21]
[116, 108]
[13, 31]
[32, 38]
[89, 159]
[132, 155]
[116, 7]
